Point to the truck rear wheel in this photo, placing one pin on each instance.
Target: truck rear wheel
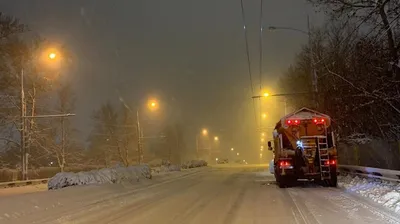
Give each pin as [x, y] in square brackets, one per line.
[333, 181]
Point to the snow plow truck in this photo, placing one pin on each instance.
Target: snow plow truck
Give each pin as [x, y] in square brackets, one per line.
[304, 148]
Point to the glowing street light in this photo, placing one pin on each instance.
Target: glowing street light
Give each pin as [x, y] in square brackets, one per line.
[52, 55]
[204, 132]
[232, 149]
[262, 140]
[264, 115]
[266, 94]
[261, 155]
[237, 154]
[263, 134]
[216, 159]
[152, 104]
[216, 138]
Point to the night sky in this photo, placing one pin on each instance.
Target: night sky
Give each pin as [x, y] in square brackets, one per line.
[189, 54]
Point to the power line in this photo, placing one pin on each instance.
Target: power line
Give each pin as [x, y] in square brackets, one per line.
[261, 41]
[261, 55]
[248, 56]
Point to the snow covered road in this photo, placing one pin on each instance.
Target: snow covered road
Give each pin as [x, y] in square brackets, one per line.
[206, 195]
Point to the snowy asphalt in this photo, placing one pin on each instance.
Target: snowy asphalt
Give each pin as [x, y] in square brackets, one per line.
[207, 195]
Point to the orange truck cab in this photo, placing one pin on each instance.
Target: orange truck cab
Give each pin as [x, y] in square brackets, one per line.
[304, 148]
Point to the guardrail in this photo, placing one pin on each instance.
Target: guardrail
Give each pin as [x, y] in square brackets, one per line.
[20, 183]
[369, 172]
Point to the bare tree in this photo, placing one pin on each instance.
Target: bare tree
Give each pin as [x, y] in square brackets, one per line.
[104, 139]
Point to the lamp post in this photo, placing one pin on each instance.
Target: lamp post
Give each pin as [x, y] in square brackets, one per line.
[204, 133]
[23, 141]
[152, 105]
[313, 71]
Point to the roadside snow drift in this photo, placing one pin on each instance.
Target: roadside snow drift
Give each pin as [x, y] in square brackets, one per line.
[383, 192]
[194, 164]
[106, 175]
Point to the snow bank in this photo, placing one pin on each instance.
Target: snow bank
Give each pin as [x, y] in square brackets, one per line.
[383, 192]
[106, 175]
[194, 164]
[166, 169]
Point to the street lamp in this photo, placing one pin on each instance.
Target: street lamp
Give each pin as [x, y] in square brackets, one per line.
[152, 104]
[237, 154]
[204, 133]
[232, 149]
[264, 115]
[263, 134]
[262, 139]
[52, 55]
[313, 70]
[24, 151]
[266, 94]
[216, 138]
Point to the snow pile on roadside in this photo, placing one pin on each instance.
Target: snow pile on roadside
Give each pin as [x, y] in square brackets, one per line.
[166, 169]
[105, 175]
[383, 192]
[194, 164]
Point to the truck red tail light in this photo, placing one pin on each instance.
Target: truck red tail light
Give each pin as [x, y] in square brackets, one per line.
[319, 120]
[284, 163]
[330, 162]
[293, 122]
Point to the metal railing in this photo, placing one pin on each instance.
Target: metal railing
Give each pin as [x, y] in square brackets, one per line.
[20, 183]
[369, 172]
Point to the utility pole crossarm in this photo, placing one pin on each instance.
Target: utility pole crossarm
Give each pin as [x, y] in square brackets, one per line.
[283, 94]
[50, 115]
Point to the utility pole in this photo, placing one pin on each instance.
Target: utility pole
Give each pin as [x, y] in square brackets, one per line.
[62, 144]
[23, 128]
[197, 147]
[313, 70]
[139, 134]
[23, 146]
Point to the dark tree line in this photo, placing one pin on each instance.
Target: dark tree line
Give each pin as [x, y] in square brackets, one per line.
[356, 57]
[21, 52]
[54, 141]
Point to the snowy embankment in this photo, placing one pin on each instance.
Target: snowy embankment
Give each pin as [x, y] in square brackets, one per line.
[102, 176]
[383, 192]
[115, 175]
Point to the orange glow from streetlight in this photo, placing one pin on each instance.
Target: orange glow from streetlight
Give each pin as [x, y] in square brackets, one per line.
[216, 138]
[152, 104]
[264, 115]
[266, 94]
[52, 55]
[204, 132]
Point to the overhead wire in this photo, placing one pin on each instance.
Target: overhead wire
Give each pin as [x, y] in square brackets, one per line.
[248, 57]
[261, 58]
